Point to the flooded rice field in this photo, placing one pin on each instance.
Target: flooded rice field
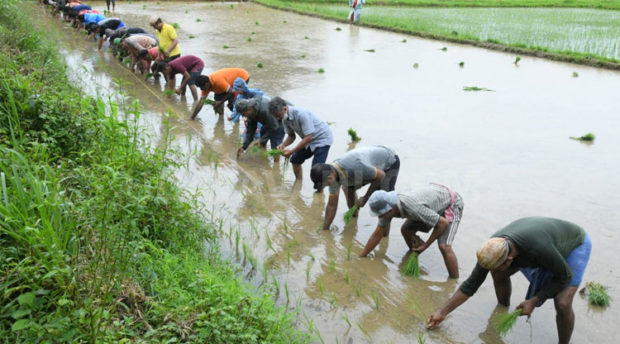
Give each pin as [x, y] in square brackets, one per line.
[506, 151]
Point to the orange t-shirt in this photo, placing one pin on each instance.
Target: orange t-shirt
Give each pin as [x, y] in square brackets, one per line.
[221, 80]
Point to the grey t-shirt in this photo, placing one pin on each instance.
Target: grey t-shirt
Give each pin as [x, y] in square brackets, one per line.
[358, 167]
[303, 122]
[424, 205]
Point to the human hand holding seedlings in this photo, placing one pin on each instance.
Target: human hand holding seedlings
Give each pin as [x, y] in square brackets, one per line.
[434, 320]
[527, 307]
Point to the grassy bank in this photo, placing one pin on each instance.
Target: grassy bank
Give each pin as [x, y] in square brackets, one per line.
[97, 243]
[585, 36]
[602, 4]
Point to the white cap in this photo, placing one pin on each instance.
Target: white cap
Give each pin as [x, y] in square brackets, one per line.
[381, 202]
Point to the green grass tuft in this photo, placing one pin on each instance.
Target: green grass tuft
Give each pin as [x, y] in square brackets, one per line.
[273, 152]
[476, 88]
[507, 321]
[370, 50]
[259, 65]
[175, 25]
[321, 70]
[353, 134]
[597, 295]
[589, 137]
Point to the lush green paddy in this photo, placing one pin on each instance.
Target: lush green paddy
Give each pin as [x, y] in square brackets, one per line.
[572, 32]
[606, 4]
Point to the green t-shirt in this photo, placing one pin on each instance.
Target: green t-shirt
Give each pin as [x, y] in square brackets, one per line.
[542, 243]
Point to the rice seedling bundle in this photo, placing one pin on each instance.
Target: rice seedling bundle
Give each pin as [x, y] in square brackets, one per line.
[349, 214]
[321, 70]
[208, 102]
[353, 135]
[259, 65]
[273, 152]
[476, 88]
[507, 321]
[589, 137]
[597, 295]
[370, 50]
[412, 268]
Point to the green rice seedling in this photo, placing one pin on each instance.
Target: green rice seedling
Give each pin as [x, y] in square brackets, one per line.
[349, 214]
[346, 319]
[284, 22]
[265, 273]
[364, 331]
[454, 33]
[256, 23]
[198, 20]
[259, 65]
[353, 134]
[249, 39]
[175, 25]
[168, 93]
[597, 295]
[319, 282]
[461, 64]
[575, 75]
[225, 46]
[208, 101]
[370, 50]
[286, 292]
[346, 277]
[254, 228]
[332, 265]
[416, 65]
[252, 33]
[185, 11]
[517, 59]
[232, 6]
[308, 267]
[276, 286]
[273, 152]
[269, 243]
[303, 56]
[507, 321]
[375, 298]
[143, 7]
[349, 251]
[311, 256]
[191, 36]
[237, 238]
[404, 41]
[321, 70]
[476, 88]
[358, 291]
[444, 49]
[306, 37]
[417, 309]
[338, 29]
[288, 256]
[412, 268]
[589, 137]
[421, 339]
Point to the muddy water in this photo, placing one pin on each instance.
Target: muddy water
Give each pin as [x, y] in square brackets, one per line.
[506, 152]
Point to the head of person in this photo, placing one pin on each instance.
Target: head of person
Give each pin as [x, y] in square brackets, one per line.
[81, 17]
[204, 83]
[494, 254]
[246, 107]
[91, 27]
[163, 67]
[322, 175]
[108, 33]
[383, 203]
[143, 54]
[156, 22]
[240, 86]
[278, 107]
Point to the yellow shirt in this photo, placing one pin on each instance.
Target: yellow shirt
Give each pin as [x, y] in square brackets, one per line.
[165, 37]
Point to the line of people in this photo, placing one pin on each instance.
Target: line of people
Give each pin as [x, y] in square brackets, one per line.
[551, 253]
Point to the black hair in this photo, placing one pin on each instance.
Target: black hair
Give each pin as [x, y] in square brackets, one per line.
[142, 53]
[319, 173]
[161, 66]
[202, 80]
[276, 105]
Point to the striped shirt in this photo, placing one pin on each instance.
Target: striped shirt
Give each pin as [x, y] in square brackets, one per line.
[425, 204]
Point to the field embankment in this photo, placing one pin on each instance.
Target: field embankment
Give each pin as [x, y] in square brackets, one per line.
[585, 35]
[97, 243]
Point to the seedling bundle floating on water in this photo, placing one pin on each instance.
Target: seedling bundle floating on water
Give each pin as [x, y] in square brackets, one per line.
[370, 50]
[507, 321]
[589, 137]
[412, 268]
[596, 294]
[349, 214]
[476, 88]
[353, 135]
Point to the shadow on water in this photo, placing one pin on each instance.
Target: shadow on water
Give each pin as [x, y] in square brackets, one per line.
[506, 152]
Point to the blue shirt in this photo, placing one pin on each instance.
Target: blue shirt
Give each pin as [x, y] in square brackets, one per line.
[303, 122]
[247, 94]
[93, 18]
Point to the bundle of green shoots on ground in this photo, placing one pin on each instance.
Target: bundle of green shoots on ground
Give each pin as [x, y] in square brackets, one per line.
[412, 268]
[208, 101]
[596, 294]
[273, 153]
[589, 137]
[349, 214]
[353, 135]
[507, 321]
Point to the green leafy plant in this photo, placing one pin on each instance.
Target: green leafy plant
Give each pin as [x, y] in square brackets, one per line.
[303, 56]
[412, 267]
[249, 39]
[191, 36]
[259, 65]
[416, 65]
[370, 50]
[404, 41]
[175, 25]
[273, 152]
[198, 20]
[353, 134]
[597, 295]
[444, 49]
[461, 64]
[225, 46]
[575, 75]
[476, 88]
[338, 29]
[507, 321]
[349, 214]
[321, 70]
[168, 93]
[517, 59]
